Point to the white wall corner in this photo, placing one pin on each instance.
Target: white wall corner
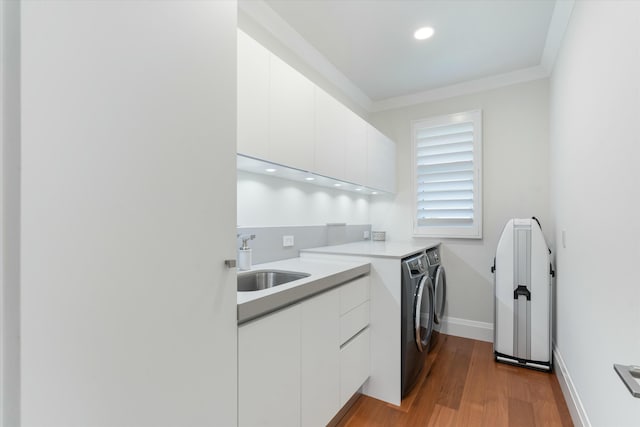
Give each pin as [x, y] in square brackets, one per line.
[472, 86]
[576, 409]
[557, 27]
[266, 17]
[465, 328]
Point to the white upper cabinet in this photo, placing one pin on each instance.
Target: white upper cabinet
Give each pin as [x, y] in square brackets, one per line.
[284, 118]
[253, 97]
[381, 161]
[331, 135]
[356, 150]
[291, 116]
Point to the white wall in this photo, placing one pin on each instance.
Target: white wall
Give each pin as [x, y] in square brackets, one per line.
[268, 201]
[595, 158]
[10, 214]
[515, 184]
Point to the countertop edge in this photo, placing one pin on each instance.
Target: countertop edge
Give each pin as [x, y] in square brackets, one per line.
[323, 250]
[256, 308]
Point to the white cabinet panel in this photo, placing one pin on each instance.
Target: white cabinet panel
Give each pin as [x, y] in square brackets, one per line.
[353, 322]
[330, 135]
[253, 97]
[127, 110]
[354, 293]
[320, 359]
[354, 365]
[291, 117]
[381, 161]
[269, 370]
[356, 150]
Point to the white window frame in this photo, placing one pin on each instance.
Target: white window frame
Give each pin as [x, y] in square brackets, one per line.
[475, 230]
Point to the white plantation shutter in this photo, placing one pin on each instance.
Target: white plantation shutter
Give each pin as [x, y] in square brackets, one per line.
[447, 163]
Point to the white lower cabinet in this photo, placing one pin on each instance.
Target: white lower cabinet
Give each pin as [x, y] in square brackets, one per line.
[299, 365]
[320, 359]
[269, 370]
[354, 365]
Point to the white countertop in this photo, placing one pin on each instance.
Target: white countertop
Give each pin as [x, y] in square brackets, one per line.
[386, 249]
[324, 275]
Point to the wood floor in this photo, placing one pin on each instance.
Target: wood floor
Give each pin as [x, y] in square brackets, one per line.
[466, 387]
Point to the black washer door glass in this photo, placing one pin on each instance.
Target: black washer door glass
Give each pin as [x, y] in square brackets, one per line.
[423, 313]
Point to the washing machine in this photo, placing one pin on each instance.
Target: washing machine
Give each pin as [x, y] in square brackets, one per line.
[439, 281]
[417, 318]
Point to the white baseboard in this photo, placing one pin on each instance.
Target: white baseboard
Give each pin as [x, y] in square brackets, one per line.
[578, 414]
[481, 331]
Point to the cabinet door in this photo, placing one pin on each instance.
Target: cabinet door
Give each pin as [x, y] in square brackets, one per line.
[356, 150]
[125, 114]
[269, 370]
[291, 104]
[320, 377]
[381, 161]
[354, 365]
[331, 119]
[253, 97]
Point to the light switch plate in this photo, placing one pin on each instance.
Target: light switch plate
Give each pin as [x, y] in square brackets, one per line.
[287, 241]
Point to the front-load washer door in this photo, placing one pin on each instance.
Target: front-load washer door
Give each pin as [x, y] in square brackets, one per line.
[440, 294]
[423, 313]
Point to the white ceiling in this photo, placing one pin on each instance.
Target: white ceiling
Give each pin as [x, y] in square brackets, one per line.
[369, 44]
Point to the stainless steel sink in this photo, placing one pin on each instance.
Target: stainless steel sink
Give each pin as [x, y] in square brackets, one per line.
[265, 279]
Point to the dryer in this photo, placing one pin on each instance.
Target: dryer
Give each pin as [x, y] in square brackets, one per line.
[439, 281]
[417, 318]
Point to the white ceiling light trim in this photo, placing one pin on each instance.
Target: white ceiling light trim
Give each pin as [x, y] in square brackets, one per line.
[559, 22]
[260, 12]
[465, 88]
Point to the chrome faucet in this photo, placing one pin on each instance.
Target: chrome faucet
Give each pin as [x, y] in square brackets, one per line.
[245, 240]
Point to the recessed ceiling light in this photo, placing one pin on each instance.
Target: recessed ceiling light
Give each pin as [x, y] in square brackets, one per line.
[309, 178]
[374, 192]
[358, 189]
[270, 170]
[423, 33]
[337, 185]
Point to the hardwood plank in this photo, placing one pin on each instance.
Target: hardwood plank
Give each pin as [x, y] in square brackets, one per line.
[475, 390]
[520, 413]
[545, 408]
[451, 390]
[466, 387]
[429, 393]
[561, 404]
[442, 416]
[496, 407]
[371, 412]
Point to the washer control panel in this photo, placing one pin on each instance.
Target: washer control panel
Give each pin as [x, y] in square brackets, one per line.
[433, 255]
[418, 265]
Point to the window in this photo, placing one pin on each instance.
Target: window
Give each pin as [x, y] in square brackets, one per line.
[447, 160]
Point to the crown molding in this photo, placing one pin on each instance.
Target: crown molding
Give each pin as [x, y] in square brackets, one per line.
[266, 17]
[555, 34]
[262, 14]
[464, 88]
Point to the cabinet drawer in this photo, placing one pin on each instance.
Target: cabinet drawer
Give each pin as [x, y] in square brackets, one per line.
[353, 294]
[354, 365]
[353, 322]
